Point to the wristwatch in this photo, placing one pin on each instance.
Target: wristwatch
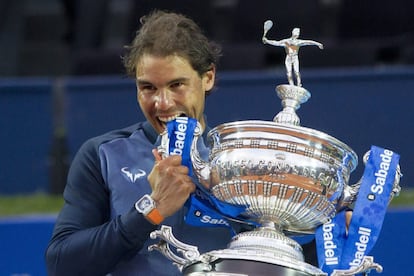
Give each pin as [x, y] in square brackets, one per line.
[146, 206]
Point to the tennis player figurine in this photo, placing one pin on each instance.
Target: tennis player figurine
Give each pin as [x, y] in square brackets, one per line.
[292, 46]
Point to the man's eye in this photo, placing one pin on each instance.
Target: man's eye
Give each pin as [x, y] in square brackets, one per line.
[177, 84]
[147, 89]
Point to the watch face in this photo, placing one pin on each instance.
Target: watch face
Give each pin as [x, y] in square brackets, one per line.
[145, 204]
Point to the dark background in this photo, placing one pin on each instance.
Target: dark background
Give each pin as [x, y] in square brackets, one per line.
[62, 80]
[75, 37]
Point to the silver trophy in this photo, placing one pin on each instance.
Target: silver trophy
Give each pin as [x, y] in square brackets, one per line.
[292, 178]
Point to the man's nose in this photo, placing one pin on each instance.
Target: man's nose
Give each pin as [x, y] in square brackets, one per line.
[164, 99]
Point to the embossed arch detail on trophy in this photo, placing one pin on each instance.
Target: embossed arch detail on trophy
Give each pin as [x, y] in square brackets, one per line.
[292, 178]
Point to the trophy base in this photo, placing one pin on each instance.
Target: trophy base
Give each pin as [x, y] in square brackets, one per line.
[248, 262]
[259, 252]
[244, 258]
[263, 251]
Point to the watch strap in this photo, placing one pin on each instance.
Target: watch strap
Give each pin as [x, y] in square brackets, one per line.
[154, 216]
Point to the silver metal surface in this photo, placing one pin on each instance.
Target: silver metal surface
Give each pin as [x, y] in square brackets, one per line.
[292, 97]
[290, 175]
[260, 253]
[291, 45]
[367, 265]
[189, 252]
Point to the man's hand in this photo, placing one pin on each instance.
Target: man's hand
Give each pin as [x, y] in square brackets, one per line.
[170, 183]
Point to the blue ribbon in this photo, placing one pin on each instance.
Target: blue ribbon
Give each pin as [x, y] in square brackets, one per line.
[340, 250]
[180, 134]
[204, 209]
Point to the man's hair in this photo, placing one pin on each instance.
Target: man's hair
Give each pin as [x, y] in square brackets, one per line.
[165, 33]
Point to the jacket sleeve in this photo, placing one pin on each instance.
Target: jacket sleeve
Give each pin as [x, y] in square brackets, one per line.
[85, 241]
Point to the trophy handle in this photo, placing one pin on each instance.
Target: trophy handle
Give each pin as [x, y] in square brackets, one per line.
[366, 266]
[163, 148]
[189, 252]
[350, 193]
[201, 168]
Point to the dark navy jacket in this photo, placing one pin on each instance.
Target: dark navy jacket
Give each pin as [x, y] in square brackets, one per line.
[98, 231]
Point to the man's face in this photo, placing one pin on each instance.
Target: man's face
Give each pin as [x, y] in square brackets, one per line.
[168, 87]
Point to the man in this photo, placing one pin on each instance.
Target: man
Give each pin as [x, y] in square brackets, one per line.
[99, 230]
[292, 46]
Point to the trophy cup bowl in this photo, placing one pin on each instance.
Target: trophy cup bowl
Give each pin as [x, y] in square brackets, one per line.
[292, 179]
[287, 175]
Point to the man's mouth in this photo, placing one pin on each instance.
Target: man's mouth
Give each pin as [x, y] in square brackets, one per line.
[165, 119]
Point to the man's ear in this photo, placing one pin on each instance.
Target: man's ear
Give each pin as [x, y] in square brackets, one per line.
[209, 78]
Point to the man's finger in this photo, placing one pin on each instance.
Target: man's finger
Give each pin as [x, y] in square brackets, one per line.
[157, 155]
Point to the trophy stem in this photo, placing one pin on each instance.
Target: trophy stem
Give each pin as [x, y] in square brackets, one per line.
[292, 97]
[268, 237]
